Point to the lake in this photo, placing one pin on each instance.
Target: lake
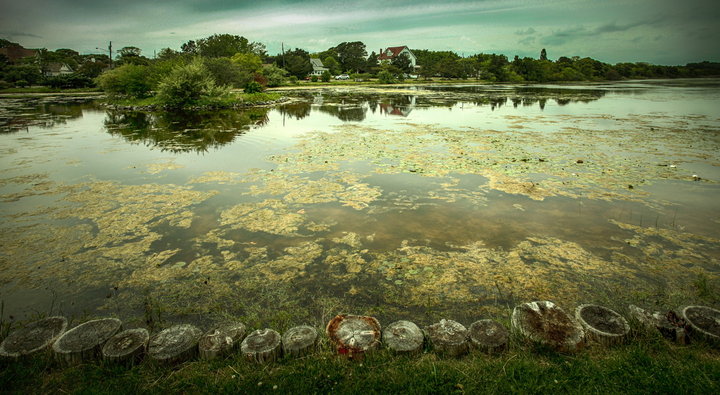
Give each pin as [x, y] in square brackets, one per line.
[426, 202]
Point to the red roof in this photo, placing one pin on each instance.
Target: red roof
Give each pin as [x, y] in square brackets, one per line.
[16, 52]
[395, 52]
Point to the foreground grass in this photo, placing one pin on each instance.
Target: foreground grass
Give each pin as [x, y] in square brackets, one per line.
[647, 365]
[231, 100]
[47, 89]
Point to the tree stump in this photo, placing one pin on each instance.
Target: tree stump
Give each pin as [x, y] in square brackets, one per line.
[669, 324]
[448, 337]
[175, 344]
[545, 323]
[703, 321]
[262, 345]
[488, 335]
[601, 324]
[403, 337]
[219, 341]
[84, 342]
[34, 337]
[353, 335]
[126, 347]
[299, 341]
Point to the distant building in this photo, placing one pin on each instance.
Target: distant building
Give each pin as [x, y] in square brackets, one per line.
[56, 69]
[16, 52]
[393, 52]
[318, 67]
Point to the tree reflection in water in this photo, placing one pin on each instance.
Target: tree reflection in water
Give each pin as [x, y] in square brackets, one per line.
[184, 131]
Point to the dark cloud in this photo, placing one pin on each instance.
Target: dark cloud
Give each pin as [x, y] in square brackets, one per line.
[581, 32]
[13, 34]
[527, 40]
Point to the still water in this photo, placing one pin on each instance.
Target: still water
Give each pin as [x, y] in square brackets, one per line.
[413, 202]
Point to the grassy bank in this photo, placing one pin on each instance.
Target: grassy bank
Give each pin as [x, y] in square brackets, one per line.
[647, 364]
[47, 89]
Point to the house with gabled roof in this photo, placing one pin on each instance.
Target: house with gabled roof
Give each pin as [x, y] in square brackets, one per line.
[393, 52]
[57, 69]
[318, 67]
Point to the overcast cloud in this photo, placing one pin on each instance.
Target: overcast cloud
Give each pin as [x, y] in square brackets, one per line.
[657, 31]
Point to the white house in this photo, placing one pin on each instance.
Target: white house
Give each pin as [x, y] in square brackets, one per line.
[393, 52]
[56, 69]
[318, 67]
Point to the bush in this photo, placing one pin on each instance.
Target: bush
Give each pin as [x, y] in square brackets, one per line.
[275, 75]
[253, 87]
[187, 84]
[293, 79]
[314, 78]
[126, 80]
[69, 81]
[385, 77]
[325, 76]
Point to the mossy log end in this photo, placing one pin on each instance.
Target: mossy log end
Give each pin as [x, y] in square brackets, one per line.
[403, 337]
[601, 324]
[353, 335]
[262, 345]
[300, 340]
[704, 322]
[488, 335]
[546, 323]
[127, 347]
[221, 340]
[448, 337]
[35, 337]
[175, 344]
[84, 342]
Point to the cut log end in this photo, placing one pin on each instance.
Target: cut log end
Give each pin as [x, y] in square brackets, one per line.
[488, 335]
[704, 322]
[126, 347]
[353, 335]
[84, 342]
[35, 337]
[403, 337]
[299, 341]
[601, 324]
[545, 323]
[262, 346]
[221, 340]
[175, 344]
[448, 337]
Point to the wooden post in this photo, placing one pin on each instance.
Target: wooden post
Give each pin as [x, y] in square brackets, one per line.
[262, 345]
[601, 324]
[299, 341]
[84, 342]
[175, 344]
[488, 335]
[703, 321]
[403, 337]
[219, 341]
[126, 347]
[353, 335]
[448, 337]
[35, 337]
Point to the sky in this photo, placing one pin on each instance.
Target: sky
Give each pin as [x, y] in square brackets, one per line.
[665, 32]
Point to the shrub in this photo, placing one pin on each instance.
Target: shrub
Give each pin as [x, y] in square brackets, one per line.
[325, 76]
[126, 80]
[293, 79]
[314, 78]
[187, 84]
[275, 75]
[385, 77]
[253, 87]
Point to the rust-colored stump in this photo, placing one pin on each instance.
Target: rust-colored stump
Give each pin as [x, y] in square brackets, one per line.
[546, 323]
[353, 335]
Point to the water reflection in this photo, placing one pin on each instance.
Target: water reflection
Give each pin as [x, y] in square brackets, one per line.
[181, 131]
[17, 114]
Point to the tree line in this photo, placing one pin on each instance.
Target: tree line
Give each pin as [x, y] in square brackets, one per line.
[225, 60]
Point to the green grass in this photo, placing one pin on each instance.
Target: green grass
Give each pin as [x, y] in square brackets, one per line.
[222, 102]
[645, 365]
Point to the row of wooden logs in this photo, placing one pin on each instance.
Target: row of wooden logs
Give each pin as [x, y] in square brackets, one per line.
[351, 335]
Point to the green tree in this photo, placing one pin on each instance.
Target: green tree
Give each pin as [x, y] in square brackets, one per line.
[127, 80]
[275, 75]
[403, 63]
[297, 63]
[187, 84]
[371, 63]
[131, 55]
[222, 45]
[325, 76]
[227, 72]
[351, 55]
[543, 54]
[332, 64]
